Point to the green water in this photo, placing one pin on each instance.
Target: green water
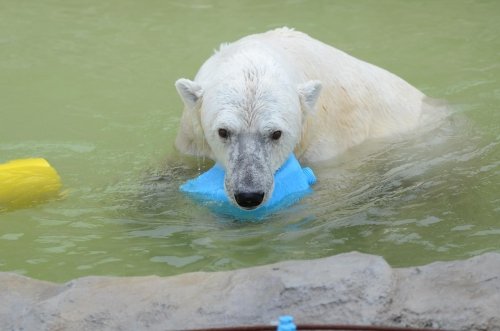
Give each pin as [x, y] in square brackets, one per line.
[89, 86]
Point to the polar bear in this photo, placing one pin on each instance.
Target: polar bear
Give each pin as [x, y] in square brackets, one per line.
[267, 95]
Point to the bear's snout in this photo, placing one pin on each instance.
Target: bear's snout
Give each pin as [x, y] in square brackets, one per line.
[249, 200]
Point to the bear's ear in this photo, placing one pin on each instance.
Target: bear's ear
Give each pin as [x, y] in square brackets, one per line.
[189, 91]
[309, 93]
[190, 138]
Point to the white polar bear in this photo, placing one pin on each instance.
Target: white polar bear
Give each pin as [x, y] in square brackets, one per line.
[259, 99]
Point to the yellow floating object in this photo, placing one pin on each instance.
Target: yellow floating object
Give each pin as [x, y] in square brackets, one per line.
[26, 182]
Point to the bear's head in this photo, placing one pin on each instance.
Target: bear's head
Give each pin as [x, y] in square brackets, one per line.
[249, 122]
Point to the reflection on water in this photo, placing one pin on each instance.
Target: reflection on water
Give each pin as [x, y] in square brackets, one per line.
[89, 87]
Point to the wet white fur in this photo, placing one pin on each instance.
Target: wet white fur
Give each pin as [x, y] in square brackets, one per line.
[323, 100]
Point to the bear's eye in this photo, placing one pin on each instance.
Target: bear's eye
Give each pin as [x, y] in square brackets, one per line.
[276, 135]
[223, 133]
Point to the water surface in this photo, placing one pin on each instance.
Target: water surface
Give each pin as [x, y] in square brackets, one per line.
[89, 86]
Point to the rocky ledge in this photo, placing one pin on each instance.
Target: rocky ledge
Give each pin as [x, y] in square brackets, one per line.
[349, 288]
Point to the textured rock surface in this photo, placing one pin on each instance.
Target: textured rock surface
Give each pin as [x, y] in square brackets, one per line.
[349, 288]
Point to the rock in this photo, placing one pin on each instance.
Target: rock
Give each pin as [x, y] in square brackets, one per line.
[461, 295]
[350, 288]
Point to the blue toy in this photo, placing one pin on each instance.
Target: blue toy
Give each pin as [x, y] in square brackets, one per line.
[291, 183]
[286, 324]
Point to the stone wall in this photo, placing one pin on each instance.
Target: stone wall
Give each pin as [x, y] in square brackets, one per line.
[349, 288]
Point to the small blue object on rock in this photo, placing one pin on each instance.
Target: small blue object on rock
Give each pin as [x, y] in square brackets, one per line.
[286, 324]
[291, 183]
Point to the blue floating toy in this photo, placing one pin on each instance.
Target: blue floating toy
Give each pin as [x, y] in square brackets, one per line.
[291, 183]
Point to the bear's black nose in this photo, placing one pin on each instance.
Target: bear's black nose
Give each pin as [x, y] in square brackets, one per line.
[249, 200]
